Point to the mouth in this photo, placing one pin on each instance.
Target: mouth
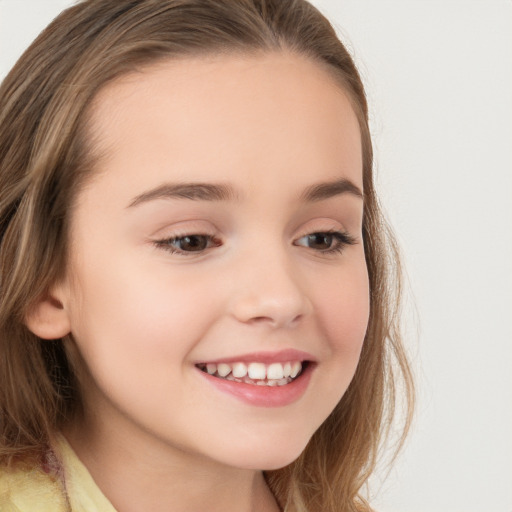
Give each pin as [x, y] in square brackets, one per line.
[256, 373]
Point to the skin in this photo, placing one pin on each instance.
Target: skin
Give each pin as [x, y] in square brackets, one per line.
[155, 432]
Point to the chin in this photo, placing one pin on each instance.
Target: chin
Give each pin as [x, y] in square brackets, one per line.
[271, 456]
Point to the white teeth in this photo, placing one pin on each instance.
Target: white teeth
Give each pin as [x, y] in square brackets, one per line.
[223, 369]
[257, 371]
[274, 374]
[275, 371]
[296, 368]
[239, 370]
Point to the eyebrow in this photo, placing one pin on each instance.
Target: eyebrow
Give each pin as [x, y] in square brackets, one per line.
[330, 189]
[222, 192]
[193, 191]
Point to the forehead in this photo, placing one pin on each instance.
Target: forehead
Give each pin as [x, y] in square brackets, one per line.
[234, 114]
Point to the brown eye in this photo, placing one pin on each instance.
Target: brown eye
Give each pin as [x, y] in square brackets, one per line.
[326, 242]
[192, 243]
[320, 241]
[188, 244]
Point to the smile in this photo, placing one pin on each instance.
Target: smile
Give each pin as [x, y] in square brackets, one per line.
[255, 373]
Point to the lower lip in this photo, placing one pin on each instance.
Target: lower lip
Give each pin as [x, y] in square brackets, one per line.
[264, 396]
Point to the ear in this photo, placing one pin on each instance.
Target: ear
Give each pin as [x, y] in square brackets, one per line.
[48, 318]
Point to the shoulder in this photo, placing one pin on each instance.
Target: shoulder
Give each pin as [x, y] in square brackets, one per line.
[30, 490]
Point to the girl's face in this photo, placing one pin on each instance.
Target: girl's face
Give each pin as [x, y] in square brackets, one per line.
[220, 232]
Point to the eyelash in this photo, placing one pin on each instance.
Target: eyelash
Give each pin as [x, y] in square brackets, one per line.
[341, 240]
[167, 243]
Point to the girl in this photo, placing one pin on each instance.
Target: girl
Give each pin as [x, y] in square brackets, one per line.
[198, 290]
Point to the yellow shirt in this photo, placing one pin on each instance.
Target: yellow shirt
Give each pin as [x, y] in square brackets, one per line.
[36, 491]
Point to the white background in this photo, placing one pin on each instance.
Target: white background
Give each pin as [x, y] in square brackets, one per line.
[439, 80]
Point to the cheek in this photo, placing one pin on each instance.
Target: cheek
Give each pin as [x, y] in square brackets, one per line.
[135, 336]
[143, 320]
[344, 313]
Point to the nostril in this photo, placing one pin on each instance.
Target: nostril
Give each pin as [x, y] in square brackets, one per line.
[275, 320]
[259, 319]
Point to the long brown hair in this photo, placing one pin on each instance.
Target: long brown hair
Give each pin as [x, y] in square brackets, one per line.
[45, 156]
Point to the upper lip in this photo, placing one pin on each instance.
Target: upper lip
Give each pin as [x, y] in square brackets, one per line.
[268, 357]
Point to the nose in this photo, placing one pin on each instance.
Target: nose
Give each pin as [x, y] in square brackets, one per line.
[268, 291]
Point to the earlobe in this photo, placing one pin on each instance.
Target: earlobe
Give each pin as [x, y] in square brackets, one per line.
[48, 318]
